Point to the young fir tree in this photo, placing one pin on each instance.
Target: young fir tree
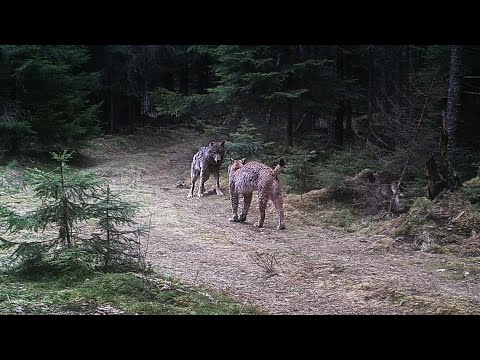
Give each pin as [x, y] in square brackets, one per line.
[63, 195]
[118, 236]
[246, 142]
[299, 167]
[69, 201]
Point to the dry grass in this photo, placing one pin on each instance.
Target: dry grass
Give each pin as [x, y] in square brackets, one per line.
[419, 304]
[470, 246]
[266, 261]
[450, 220]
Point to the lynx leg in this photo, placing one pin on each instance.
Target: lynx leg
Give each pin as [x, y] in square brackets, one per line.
[247, 200]
[234, 217]
[278, 202]
[262, 205]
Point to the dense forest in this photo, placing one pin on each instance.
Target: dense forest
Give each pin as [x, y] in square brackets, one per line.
[383, 129]
[387, 99]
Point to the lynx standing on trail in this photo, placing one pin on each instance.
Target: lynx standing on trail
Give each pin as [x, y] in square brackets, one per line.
[246, 178]
[206, 161]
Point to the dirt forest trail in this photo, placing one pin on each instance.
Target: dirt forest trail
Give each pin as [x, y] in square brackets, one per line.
[316, 270]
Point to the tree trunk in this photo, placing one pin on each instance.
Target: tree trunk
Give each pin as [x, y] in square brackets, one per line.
[435, 183]
[184, 77]
[370, 91]
[307, 124]
[169, 81]
[408, 105]
[454, 102]
[130, 114]
[348, 103]
[199, 69]
[398, 90]
[335, 131]
[302, 52]
[443, 139]
[111, 94]
[111, 112]
[338, 129]
[446, 167]
[144, 99]
[184, 81]
[409, 109]
[290, 123]
[412, 59]
[200, 79]
[207, 78]
[290, 60]
[384, 104]
[442, 177]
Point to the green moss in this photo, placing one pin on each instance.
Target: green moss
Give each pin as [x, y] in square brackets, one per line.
[421, 203]
[340, 216]
[123, 291]
[408, 227]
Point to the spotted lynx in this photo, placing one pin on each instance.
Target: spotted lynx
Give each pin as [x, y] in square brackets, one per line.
[244, 178]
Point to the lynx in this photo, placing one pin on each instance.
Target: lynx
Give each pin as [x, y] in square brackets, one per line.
[255, 176]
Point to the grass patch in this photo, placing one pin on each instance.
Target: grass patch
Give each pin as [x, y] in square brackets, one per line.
[332, 213]
[110, 293]
[407, 227]
[457, 269]
[339, 216]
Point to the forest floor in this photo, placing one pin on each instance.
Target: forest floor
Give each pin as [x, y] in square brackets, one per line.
[308, 268]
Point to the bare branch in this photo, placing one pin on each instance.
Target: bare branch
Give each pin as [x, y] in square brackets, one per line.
[395, 191]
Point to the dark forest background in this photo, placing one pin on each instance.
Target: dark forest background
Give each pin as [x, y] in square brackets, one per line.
[394, 107]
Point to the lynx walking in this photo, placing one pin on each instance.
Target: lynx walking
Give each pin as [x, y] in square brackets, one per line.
[206, 161]
[246, 178]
